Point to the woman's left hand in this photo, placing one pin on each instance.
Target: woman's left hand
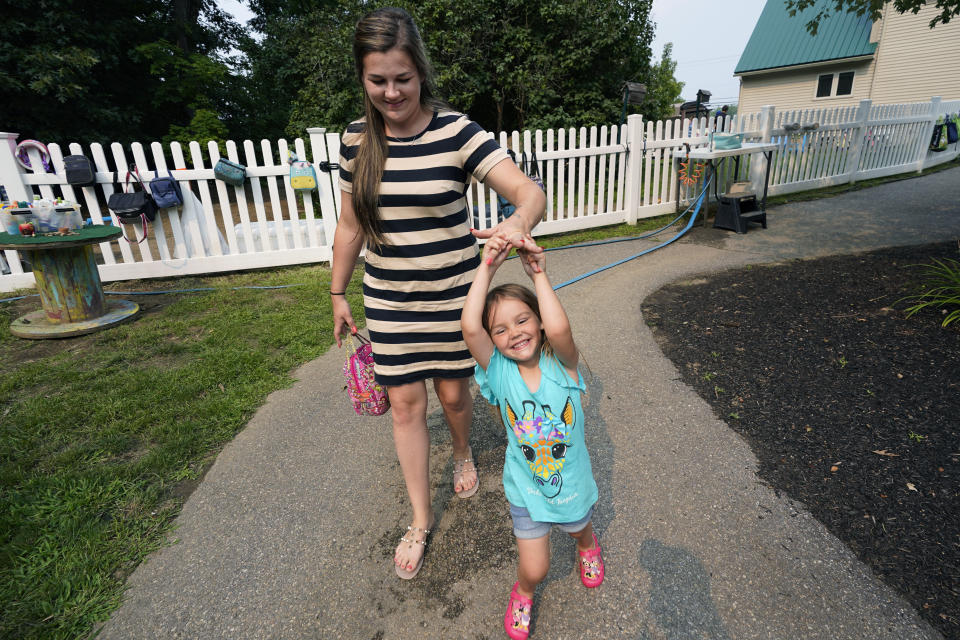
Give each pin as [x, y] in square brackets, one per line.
[511, 229]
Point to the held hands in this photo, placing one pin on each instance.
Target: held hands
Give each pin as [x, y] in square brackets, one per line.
[498, 247]
[511, 229]
[531, 257]
[495, 251]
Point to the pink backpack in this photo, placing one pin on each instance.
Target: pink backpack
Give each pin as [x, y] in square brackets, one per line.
[368, 397]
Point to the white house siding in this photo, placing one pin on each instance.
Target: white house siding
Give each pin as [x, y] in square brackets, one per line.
[914, 62]
[797, 88]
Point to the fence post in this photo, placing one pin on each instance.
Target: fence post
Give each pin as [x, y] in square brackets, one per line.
[758, 169]
[924, 143]
[325, 196]
[12, 181]
[634, 177]
[858, 133]
[10, 176]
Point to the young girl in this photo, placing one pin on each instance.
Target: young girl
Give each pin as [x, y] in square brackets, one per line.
[527, 365]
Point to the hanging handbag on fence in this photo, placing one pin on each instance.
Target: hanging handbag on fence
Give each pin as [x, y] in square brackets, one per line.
[133, 206]
[953, 125]
[367, 396]
[166, 191]
[230, 172]
[505, 208]
[532, 170]
[938, 141]
[80, 171]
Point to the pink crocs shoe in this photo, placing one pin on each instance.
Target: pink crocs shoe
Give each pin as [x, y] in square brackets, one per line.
[516, 621]
[591, 565]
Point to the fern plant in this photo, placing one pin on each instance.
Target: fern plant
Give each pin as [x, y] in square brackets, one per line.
[940, 290]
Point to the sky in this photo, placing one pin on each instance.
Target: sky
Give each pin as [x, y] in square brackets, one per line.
[708, 37]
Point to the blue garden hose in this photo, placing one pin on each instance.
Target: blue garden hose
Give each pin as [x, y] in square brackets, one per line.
[696, 210]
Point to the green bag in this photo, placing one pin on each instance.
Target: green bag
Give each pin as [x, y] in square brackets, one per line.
[727, 141]
[230, 172]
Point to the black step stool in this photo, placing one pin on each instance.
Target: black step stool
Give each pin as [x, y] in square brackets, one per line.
[735, 212]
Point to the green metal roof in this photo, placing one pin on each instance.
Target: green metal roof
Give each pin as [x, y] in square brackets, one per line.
[779, 40]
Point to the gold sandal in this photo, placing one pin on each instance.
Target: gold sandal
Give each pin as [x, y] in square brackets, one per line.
[409, 574]
[459, 468]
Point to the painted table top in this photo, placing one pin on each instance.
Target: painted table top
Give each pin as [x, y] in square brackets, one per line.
[86, 235]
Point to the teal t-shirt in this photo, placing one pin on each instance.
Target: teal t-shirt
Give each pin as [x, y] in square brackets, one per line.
[547, 465]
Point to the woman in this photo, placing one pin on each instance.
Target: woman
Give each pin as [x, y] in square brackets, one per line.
[404, 168]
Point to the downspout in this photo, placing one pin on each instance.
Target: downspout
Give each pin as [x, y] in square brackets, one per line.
[876, 57]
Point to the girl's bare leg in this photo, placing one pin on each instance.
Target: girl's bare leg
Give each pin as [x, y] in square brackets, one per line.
[534, 563]
[584, 538]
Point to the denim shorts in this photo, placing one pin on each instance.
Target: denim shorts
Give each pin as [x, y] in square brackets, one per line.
[526, 528]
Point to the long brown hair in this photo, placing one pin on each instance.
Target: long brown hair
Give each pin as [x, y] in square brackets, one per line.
[377, 32]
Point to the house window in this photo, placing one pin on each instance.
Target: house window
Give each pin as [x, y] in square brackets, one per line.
[824, 85]
[843, 87]
[845, 83]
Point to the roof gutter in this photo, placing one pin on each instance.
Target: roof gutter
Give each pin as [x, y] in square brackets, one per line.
[808, 65]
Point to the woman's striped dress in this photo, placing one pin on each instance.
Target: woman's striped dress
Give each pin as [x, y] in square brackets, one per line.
[414, 285]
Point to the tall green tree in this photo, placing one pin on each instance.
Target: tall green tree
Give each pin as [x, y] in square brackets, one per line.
[821, 9]
[327, 93]
[664, 90]
[130, 70]
[273, 71]
[510, 64]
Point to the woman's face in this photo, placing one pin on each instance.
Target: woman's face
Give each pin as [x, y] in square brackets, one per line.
[393, 84]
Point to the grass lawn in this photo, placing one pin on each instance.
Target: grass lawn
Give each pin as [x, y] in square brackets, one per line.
[103, 436]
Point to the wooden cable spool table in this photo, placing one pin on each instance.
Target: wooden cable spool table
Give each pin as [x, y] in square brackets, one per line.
[69, 284]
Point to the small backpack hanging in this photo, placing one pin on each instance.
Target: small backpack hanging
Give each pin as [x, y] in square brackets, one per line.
[230, 172]
[133, 206]
[303, 177]
[166, 191]
[366, 394]
[80, 171]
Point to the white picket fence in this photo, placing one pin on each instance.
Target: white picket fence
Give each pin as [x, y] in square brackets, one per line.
[594, 177]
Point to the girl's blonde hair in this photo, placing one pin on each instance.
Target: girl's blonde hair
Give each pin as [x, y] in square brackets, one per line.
[378, 32]
[514, 292]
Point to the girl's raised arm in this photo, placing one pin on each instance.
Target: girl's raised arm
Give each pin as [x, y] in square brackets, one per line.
[471, 320]
[556, 325]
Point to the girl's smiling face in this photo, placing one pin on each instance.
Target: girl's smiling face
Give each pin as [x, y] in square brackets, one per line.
[392, 82]
[516, 330]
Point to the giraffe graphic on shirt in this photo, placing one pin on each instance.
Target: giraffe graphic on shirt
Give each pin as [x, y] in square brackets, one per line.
[544, 439]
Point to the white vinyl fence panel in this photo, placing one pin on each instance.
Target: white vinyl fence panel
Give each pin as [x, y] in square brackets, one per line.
[593, 176]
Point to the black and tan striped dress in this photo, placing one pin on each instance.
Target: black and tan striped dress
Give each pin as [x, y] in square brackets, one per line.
[414, 285]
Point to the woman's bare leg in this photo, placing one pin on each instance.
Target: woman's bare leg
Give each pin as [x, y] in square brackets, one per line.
[408, 404]
[457, 403]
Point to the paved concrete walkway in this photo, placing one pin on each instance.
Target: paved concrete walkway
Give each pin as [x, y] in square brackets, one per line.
[291, 533]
